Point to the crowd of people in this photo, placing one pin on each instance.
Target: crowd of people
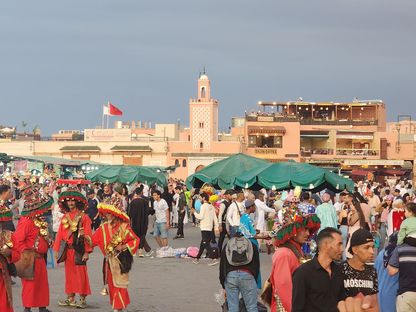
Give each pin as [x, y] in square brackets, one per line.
[351, 251]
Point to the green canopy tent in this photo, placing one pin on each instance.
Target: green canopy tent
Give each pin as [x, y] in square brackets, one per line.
[221, 174]
[127, 175]
[286, 175]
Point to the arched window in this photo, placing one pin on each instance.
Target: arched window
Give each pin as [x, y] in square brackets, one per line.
[184, 163]
[177, 162]
[201, 145]
[202, 92]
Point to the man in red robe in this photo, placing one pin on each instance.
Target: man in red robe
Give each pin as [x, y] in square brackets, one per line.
[8, 254]
[289, 236]
[75, 231]
[32, 237]
[115, 237]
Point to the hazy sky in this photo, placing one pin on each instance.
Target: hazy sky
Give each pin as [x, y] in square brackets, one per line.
[60, 61]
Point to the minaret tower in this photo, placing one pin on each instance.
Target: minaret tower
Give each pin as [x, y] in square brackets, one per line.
[203, 115]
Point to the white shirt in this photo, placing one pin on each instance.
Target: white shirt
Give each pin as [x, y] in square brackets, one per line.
[233, 214]
[262, 209]
[207, 217]
[160, 208]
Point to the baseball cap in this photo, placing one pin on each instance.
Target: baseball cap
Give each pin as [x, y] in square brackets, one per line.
[249, 203]
[90, 192]
[360, 237]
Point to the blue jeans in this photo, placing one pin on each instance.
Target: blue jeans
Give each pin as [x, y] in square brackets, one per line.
[160, 230]
[242, 282]
[233, 230]
[383, 235]
[344, 230]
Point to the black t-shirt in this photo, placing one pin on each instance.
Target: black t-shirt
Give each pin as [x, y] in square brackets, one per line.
[314, 290]
[356, 281]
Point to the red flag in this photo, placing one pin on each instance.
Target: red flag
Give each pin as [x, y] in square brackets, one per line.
[113, 111]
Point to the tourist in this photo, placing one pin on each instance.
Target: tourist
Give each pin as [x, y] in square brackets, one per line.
[208, 221]
[360, 278]
[403, 263]
[118, 192]
[234, 212]
[387, 285]
[222, 217]
[239, 277]
[161, 226]
[262, 211]
[32, 236]
[168, 195]
[383, 210]
[356, 220]
[342, 211]
[305, 205]
[396, 194]
[75, 231]
[373, 202]
[138, 213]
[326, 213]
[318, 284]
[181, 210]
[395, 217]
[118, 243]
[92, 210]
[408, 226]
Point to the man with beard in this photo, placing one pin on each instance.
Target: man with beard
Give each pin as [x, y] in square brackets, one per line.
[294, 230]
[32, 240]
[74, 232]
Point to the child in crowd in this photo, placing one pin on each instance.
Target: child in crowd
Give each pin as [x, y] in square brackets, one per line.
[408, 226]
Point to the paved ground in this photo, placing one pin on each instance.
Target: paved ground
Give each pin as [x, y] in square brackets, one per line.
[159, 284]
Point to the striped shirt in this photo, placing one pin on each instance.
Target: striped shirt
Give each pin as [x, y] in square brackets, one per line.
[404, 259]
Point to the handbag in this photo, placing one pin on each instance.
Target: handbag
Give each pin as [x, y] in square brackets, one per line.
[25, 267]
[267, 293]
[63, 249]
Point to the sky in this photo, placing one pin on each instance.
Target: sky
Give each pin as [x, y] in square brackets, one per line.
[60, 61]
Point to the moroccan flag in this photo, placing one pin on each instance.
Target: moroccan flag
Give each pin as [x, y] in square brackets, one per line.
[112, 110]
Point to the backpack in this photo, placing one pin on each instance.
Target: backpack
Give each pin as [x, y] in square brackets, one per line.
[239, 251]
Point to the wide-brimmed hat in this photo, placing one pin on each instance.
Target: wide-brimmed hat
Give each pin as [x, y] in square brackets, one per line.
[35, 204]
[293, 221]
[113, 206]
[75, 195]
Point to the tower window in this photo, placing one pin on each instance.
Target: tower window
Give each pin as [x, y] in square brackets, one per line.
[184, 163]
[189, 138]
[201, 125]
[201, 145]
[177, 162]
[202, 92]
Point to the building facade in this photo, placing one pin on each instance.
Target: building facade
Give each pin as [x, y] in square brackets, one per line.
[352, 136]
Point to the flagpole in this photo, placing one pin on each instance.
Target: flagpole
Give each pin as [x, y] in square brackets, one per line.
[108, 116]
[102, 119]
